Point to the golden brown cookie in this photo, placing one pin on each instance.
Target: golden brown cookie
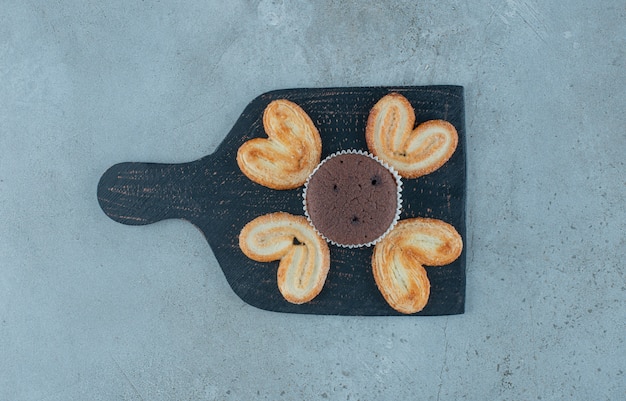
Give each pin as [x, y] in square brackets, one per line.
[304, 256]
[289, 154]
[398, 260]
[412, 152]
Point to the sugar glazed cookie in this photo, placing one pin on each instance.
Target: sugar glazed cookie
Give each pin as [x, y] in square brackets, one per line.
[413, 152]
[289, 154]
[304, 256]
[398, 260]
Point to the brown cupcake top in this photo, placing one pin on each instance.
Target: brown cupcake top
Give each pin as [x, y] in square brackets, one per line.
[352, 199]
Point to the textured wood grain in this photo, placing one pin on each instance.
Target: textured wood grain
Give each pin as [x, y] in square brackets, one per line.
[215, 196]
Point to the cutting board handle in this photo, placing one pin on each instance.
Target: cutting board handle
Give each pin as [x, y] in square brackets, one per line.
[144, 193]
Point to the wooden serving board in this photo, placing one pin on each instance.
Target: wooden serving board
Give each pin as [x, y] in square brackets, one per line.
[215, 196]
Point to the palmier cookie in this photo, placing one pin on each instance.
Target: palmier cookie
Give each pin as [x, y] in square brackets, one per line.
[398, 260]
[304, 256]
[289, 154]
[412, 152]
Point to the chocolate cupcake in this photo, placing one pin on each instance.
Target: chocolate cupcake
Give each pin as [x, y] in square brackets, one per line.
[353, 199]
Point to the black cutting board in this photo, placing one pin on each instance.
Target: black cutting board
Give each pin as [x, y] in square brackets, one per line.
[216, 197]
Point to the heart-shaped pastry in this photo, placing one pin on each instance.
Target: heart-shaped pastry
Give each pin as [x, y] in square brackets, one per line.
[412, 152]
[289, 154]
[398, 260]
[304, 256]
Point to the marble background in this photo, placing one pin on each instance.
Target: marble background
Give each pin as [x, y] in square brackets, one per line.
[92, 309]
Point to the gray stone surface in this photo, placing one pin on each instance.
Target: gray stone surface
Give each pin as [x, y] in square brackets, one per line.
[92, 309]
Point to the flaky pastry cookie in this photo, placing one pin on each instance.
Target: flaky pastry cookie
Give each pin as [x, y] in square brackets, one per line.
[398, 260]
[289, 154]
[412, 152]
[304, 256]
